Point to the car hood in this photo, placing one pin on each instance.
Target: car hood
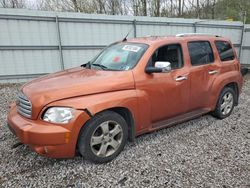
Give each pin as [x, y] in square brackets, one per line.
[75, 82]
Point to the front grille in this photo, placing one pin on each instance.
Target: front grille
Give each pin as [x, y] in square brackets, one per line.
[24, 106]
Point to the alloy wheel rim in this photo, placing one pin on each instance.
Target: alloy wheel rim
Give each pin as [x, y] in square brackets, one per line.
[227, 103]
[106, 139]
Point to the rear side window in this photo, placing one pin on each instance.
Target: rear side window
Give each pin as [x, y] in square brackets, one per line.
[200, 52]
[225, 50]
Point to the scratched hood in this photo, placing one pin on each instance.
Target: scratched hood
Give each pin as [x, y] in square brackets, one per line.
[75, 82]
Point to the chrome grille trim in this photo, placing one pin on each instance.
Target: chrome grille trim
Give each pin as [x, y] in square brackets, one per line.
[24, 106]
[24, 102]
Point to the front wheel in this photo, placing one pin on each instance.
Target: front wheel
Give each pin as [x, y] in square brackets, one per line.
[103, 137]
[225, 103]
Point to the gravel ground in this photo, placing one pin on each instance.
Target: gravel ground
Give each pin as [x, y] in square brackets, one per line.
[204, 152]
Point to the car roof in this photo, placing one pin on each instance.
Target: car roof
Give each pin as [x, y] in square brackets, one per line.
[150, 40]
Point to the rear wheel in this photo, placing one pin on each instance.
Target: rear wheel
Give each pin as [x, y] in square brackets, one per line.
[225, 103]
[103, 137]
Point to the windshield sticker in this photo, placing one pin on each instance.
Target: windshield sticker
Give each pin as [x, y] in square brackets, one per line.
[131, 48]
[116, 59]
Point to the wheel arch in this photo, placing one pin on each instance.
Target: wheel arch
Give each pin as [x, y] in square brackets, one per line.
[232, 79]
[128, 117]
[235, 87]
[219, 88]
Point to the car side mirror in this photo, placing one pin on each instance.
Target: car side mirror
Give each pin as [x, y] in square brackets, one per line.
[160, 66]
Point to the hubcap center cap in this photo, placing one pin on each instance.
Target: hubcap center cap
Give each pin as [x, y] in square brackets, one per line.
[106, 138]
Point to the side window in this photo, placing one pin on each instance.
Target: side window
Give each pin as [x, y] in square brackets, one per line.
[200, 52]
[171, 53]
[225, 50]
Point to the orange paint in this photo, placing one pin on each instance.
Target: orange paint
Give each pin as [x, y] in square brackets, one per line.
[152, 99]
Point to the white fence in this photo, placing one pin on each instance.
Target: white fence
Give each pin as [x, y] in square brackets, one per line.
[33, 43]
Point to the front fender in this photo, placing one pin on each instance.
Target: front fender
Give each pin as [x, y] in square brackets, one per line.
[220, 82]
[102, 101]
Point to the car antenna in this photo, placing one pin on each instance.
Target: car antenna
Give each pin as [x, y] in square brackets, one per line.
[125, 38]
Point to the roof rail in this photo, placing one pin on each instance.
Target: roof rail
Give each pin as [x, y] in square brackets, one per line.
[195, 34]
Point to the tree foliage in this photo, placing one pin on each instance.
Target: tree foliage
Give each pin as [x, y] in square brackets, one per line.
[205, 9]
[13, 3]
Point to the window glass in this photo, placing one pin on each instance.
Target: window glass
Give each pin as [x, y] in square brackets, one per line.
[169, 53]
[119, 56]
[225, 50]
[200, 52]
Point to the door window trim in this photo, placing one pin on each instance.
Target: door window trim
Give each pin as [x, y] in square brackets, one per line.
[182, 56]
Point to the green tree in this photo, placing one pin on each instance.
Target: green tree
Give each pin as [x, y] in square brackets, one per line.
[231, 9]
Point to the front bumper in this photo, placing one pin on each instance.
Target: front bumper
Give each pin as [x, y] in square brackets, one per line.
[58, 141]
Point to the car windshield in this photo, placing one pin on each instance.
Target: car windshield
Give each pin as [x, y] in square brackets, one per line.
[119, 56]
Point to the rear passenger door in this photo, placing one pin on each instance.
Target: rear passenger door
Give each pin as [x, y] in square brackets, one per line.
[203, 71]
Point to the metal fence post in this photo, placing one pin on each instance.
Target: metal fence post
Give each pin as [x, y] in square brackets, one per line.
[194, 26]
[242, 35]
[241, 42]
[134, 25]
[59, 43]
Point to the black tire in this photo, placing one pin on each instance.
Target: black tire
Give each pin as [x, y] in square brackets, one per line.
[219, 112]
[92, 127]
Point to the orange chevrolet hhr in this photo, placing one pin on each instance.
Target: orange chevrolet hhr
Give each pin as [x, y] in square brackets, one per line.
[132, 87]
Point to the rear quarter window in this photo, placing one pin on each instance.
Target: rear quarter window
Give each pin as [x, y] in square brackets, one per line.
[225, 50]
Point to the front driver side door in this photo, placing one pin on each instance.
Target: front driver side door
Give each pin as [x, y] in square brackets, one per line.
[167, 93]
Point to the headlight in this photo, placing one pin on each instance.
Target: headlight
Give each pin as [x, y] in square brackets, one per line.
[59, 115]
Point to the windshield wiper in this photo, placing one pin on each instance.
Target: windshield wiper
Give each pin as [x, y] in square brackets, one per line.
[88, 65]
[99, 65]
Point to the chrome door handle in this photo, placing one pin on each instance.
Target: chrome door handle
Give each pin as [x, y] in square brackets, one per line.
[212, 72]
[180, 78]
